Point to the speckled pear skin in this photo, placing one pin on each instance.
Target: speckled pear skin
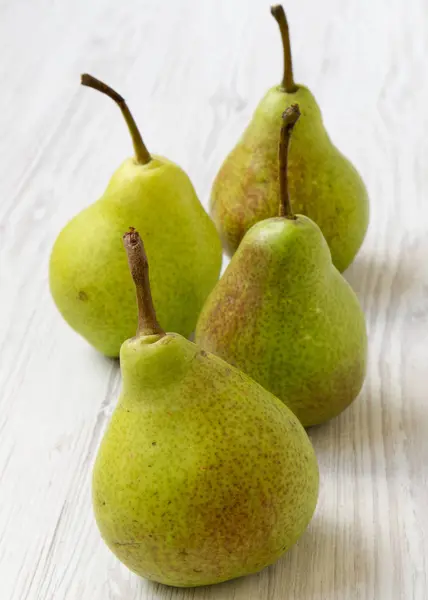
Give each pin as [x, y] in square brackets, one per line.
[284, 315]
[89, 276]
[202, 475]
[323, 184]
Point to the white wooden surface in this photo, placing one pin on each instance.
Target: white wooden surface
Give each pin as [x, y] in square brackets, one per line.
[193, 72]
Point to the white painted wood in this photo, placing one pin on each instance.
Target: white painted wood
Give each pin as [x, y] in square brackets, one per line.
[193, 72]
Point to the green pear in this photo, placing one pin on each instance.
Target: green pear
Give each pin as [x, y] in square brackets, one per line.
[285, 315]
[202, 475]
[89, 276]
[323, 184]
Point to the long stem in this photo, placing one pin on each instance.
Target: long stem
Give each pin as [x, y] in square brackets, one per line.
[287, 84]
[141, 153]
[289, 119]
[139, 267]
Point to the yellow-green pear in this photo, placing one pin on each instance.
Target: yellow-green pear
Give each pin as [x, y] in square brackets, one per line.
[89, 276]
[284, 314]
[202, 475]
[323, 184]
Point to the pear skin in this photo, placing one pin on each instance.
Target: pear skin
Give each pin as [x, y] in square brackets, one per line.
[323, 184]
[202, 475]
[283, 314]
[89, 277]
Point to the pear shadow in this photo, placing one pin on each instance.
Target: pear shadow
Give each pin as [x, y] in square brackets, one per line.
[383, 282]
[393, 289]
[376, 424]
[112, 362]
[330, 561]
[339, 442]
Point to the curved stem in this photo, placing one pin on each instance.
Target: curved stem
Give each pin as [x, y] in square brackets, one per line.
[287, 83]
[139, 267]
[289, 119]
[141, 153]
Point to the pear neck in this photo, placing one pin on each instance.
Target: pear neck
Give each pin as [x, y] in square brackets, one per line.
[287, 85]
[148, 324]
[142, 155]
[289, 119]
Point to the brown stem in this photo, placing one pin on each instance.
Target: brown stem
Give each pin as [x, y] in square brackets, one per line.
[289, 119]
[287, 83]
[141, 153]
[139, 267]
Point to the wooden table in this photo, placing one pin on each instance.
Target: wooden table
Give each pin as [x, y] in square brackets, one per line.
[193, 73]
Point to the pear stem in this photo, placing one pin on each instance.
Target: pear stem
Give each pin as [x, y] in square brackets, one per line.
[289, 119]
[139, 267]
[141, 153]
[287, 83]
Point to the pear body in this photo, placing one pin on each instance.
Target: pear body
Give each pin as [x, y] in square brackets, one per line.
[202, 475]
[283, 314]
[89, 276]
[323, 184]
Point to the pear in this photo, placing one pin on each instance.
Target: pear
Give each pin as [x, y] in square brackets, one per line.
[323, 184]
[202, 475]
[285, 315]
[89, 276]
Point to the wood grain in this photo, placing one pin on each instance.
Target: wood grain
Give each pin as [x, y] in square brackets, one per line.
[192, 73]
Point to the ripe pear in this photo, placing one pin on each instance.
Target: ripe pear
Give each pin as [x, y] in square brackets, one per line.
[202, 475]
[89, 276]
[323, 184]
[284, 314]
